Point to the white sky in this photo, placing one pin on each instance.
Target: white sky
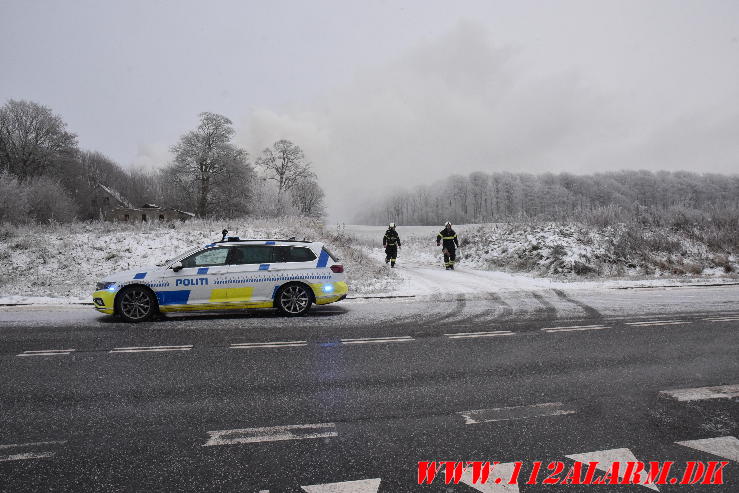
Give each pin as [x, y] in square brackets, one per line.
[385, 94]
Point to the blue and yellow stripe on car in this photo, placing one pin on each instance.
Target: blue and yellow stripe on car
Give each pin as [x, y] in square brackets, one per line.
[221, 299]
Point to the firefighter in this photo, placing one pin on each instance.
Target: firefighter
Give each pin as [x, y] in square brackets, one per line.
[391, 242]
[447, 239]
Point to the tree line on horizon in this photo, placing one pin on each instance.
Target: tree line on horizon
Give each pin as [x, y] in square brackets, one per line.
[44, 175]
[601, 199]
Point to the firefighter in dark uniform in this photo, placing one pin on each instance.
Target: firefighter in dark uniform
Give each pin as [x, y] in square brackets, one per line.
[447, 238]
[391, 242]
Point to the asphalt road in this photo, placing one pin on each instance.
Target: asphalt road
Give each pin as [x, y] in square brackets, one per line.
[353, 396]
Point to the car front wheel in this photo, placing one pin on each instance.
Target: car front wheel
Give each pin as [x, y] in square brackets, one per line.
[136, 304]
[294, 300]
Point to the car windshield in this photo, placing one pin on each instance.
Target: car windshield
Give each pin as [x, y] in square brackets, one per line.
[169, 261]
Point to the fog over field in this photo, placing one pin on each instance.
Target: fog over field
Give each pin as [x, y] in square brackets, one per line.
[384, 95]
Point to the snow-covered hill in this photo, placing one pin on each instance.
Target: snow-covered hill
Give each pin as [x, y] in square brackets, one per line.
[65, 261]
[565, 252]
[53, 262]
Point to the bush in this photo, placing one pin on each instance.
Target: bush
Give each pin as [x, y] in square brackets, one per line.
[13, 200]
[48, 200]
[42, 200]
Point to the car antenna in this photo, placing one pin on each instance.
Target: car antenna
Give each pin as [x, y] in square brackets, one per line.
[224, 232]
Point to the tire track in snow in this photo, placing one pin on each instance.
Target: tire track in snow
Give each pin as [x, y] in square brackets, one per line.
[457, 310]
[547, 309]
[589, 310]
[490, 313]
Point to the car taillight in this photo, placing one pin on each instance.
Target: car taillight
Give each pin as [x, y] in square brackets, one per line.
[337, 268]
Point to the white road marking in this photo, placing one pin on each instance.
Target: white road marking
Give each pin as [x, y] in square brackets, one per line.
[703, 393]
[516, 412]
[46, 352]
[150, 349]
[574, 328]
[369, 340]
[503, 471]
[360, 486]
[32, 444]
[606, 458]
[253, 345]
[726, 447]
[271, 434]
[26, 456]
[469, 335]
[721, 319]
[648, 323]
[29, 455]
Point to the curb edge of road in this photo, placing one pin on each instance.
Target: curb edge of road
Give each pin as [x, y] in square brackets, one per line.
[399, 296]
[83, 303]
[701, 285]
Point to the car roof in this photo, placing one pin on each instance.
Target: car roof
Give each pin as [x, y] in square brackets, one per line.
[263, 241]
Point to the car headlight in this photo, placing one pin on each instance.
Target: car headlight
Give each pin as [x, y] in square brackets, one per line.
[110, 286]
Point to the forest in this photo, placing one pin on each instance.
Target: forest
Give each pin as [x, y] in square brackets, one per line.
[601, 198]
[45, 176]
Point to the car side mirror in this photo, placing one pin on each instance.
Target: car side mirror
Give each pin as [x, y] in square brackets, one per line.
[177, 266]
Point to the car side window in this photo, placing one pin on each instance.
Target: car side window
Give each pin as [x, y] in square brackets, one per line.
[293, 254]
[205, 258]
[301, 254]
[251, 254]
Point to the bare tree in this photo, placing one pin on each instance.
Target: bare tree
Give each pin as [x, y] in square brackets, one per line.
[202, 155]
[307, 197]
[285, 163]
[33, 140]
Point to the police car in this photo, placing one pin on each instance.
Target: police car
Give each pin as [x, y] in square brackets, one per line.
[233, 273]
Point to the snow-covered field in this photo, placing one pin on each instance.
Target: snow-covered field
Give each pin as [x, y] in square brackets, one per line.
[560, 250]
[517, 256]
[61, 263]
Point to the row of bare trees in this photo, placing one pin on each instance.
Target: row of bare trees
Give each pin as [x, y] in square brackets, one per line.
[209, 174]
[618, 197]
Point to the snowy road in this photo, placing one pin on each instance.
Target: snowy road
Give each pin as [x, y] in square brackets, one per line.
[424, 279]
[458, 298]
[350, 398]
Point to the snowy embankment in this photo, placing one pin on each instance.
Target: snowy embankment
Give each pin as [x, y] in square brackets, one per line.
[62, 262]
[521, 255]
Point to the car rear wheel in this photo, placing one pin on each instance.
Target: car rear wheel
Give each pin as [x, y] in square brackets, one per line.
[294, 300]
[136, 304]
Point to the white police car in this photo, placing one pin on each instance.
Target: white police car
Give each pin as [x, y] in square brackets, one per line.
[230, 274]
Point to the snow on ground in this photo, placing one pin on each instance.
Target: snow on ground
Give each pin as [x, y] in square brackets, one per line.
[490, 255]
[61, 263]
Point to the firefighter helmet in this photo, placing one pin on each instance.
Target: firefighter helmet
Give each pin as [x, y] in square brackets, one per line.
[391, 225]
[447, 224]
